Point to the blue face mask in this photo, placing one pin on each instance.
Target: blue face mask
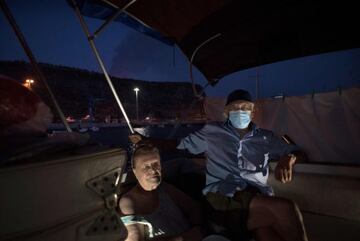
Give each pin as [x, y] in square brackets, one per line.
[240, 119]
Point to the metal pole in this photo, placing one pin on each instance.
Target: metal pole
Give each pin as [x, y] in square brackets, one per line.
[112, 18]
[192, 60]
[127, 13]
[257, 83]
[33, 61]
[102, 66]
[137, 106]
[136, 89]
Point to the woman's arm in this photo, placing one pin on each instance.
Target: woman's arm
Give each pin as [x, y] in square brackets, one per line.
[194, 234]
[136, 232]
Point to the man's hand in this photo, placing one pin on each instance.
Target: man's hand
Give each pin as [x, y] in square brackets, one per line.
[136, 138]
[284, 168]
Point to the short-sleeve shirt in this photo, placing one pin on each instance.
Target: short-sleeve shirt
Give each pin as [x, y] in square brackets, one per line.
[235, 162]
[165, 221]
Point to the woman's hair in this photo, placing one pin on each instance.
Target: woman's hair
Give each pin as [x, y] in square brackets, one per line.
[142, 149]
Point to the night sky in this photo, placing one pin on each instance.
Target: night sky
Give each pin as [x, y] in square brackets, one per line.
[54, 34]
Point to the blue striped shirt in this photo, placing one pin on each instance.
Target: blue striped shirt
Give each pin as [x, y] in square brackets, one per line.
[233, 162]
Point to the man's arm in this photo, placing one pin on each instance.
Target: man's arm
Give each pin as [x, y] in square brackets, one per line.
[287, 154]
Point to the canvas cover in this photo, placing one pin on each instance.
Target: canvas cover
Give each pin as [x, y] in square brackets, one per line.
[225, 36]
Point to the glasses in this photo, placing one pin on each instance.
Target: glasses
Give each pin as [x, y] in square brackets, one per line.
[242, 106]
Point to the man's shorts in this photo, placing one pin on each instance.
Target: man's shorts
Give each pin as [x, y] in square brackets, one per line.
[229, 214]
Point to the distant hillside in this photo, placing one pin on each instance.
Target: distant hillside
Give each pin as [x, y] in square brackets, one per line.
[77, 89]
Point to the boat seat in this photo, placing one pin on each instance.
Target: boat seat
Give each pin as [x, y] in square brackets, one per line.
[328, 196]
[67, 197]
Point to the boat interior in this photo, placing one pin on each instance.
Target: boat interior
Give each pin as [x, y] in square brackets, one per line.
[73, 195]
[66, 186]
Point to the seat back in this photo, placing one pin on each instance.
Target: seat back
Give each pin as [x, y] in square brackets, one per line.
[323, 189]
[67, 198]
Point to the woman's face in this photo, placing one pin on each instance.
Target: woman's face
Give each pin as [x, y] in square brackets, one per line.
[147, 169]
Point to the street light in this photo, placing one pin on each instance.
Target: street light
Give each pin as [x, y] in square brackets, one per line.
[28, 83]
[136, 89]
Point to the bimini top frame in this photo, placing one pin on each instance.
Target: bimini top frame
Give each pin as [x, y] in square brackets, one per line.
[253, 33]
[91, 38]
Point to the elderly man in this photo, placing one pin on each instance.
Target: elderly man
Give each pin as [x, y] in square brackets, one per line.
[237, 194]
[156, 211]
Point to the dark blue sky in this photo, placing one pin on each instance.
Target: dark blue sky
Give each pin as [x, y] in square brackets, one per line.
[53, 33]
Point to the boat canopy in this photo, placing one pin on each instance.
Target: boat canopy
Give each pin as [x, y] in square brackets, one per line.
[220, 37]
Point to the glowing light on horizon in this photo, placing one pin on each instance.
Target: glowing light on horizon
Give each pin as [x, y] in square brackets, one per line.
[28, 83]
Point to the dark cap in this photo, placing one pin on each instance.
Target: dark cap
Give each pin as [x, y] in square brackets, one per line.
[238, 95]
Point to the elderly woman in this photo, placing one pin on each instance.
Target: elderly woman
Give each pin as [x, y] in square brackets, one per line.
[155, 210]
